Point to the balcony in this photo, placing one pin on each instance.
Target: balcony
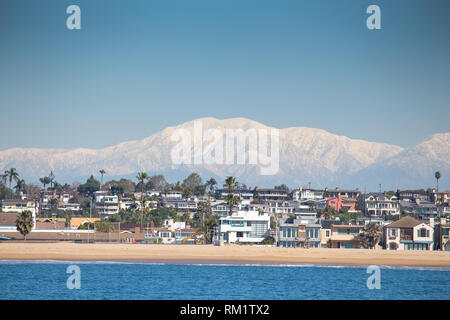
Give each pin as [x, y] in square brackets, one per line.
[405, 237]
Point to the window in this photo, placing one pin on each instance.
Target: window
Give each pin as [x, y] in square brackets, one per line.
[327, 233]
[423, 233]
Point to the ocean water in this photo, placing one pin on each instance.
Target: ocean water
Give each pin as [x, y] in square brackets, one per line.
[107, 280]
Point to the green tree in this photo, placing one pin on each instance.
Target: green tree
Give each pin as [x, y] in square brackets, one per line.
[371, 235]
[54, 203]
[193, 184]
[232, 200]
[104, 226]
[282, 187]
[156, 182]
[92, 185]
[11, 175]
[20, 186]
[45, 181]
[210, 184]
[24, 223]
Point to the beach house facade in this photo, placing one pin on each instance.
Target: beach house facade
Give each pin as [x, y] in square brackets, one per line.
[244, 227]
[345, 236]
[408, 233]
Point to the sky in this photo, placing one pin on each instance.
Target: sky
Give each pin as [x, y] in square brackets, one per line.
[136, 67]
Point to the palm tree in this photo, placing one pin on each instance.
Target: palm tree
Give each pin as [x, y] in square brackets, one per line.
[371, 235]
[231, 199]
[230, 183]
[102, 172]
[437, 175]
[24, 223]
[45, 181]
[11, 175]
[141, 177]
[52, 179]
[20, 186]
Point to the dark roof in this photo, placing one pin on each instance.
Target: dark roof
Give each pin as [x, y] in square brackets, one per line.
[326, 224]
[405, 222]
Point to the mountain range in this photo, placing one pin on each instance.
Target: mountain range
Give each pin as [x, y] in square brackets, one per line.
[306, 155]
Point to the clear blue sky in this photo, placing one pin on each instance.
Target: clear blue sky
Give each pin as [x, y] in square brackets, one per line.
[137, 67]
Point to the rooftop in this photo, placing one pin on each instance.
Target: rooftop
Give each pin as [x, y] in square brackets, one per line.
[405, 222]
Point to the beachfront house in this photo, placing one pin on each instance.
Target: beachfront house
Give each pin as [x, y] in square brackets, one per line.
[326, 231]
[292, 233]
[443, 236]
[295, 233]
[345, 236]
[11, 207]
[244, 227]
[408, 233]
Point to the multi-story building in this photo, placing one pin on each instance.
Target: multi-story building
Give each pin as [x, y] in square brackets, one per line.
[62, 198]
[245, 196]
[105, 203]
[380, 204]
[413, 195]
[408, 233]
[278, 207]
[307, 194]
[340, 202]
[244, 227]
[422, 210]
[344, 193]
[12, 207]
[270, 195]
[442, 235]
[306, 216]
[441, 197]
[326, 231]
[292, 233]
[181, 205]
[345, 236]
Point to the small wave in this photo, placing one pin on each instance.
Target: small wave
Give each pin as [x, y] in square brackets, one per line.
[227, 263]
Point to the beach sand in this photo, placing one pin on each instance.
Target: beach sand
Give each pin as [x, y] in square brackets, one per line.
[215, 254]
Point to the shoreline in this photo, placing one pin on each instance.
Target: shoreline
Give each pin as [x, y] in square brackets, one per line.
[231, 263]
[224, 255]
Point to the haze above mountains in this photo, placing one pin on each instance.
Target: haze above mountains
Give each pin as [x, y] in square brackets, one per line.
[307, 155]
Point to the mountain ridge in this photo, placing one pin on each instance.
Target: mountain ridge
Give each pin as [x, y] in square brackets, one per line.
[306, 155]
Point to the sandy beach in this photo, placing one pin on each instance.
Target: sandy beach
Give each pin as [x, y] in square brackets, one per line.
[210, 253]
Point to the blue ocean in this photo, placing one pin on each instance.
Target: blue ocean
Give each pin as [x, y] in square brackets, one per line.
[108, 280]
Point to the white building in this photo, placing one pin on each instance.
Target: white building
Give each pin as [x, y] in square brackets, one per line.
[307, 194]
[11, 206]
[172, 225]
[244, 227]
[381, 205]
[105, 203]
[409, 233]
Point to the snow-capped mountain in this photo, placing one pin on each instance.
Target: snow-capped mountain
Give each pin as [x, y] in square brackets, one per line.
[305, 155]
